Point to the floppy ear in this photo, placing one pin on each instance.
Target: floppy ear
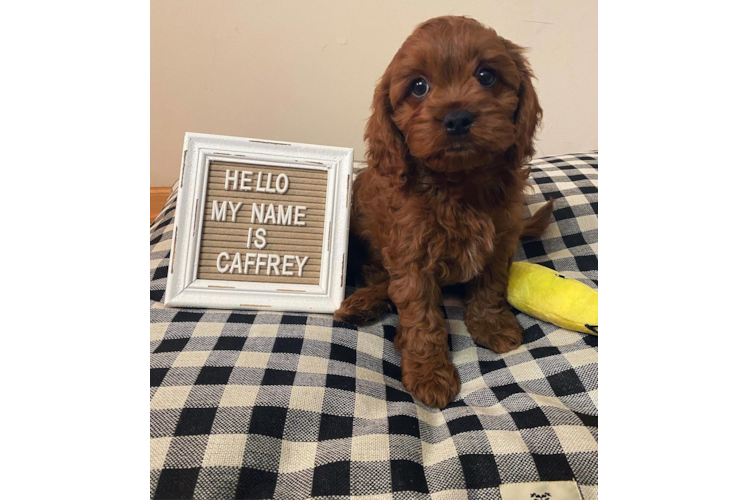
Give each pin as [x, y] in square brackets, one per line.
[528, 115]
[387, 153]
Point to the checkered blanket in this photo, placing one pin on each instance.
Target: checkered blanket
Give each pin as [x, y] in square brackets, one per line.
[270, 405]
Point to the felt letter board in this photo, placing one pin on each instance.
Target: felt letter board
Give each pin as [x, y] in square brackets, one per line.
[260, 225]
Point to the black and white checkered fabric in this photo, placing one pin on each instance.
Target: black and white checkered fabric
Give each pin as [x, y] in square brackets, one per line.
[291, 406]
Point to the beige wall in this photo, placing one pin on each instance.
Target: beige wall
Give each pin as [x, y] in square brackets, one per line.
[305, 70]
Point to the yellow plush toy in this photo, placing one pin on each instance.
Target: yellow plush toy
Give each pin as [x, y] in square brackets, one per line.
[550, 296]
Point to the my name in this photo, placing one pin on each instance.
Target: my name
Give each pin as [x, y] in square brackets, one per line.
[261, 213]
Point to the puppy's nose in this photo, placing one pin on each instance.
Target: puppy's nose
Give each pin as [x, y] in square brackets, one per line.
[458, 122]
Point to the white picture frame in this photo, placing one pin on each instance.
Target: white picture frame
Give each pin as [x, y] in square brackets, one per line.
[184, 289]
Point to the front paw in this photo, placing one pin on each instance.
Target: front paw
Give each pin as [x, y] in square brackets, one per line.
[435, 382]
[360, 308]
[498, 330]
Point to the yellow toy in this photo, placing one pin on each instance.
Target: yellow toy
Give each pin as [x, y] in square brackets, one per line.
[550, 296]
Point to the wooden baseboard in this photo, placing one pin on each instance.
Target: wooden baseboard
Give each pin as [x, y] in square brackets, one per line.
[158, 199]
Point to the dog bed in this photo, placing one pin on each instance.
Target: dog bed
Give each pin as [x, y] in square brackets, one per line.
[293, 406]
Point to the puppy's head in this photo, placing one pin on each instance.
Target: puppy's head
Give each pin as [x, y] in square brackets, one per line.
[455, 96]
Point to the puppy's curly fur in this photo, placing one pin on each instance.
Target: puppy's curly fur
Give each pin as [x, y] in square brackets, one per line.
[435, 208]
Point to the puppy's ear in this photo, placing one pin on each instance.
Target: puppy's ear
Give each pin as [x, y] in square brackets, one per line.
[387, 153]
[528, 115]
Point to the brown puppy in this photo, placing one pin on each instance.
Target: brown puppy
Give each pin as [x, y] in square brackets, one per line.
[452, 126]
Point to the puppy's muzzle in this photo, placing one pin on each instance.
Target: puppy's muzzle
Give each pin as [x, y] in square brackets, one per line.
[458, 122]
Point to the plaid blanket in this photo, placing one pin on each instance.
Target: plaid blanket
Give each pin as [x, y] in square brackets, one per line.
[269, 405]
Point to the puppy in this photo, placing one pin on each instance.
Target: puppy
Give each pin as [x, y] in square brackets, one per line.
[452, 126]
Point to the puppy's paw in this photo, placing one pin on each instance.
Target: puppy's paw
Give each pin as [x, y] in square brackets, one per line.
[435, 383]
[360, 308]
[499, 331]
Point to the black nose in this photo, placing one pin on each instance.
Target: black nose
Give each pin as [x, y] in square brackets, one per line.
[458, 122]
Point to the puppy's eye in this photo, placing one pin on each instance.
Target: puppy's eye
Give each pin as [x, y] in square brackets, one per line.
[419, 87]
[486, 77]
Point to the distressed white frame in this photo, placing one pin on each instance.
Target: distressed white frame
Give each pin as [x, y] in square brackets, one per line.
[183, 289]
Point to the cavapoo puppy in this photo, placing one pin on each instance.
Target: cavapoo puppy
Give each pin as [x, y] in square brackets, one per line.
[452, 127]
